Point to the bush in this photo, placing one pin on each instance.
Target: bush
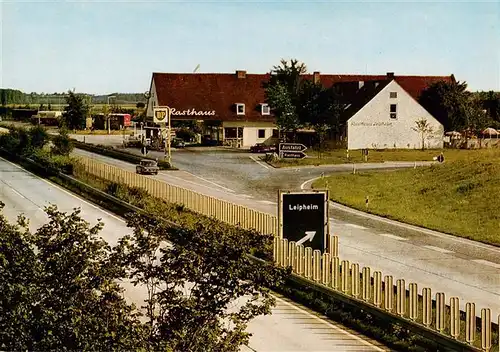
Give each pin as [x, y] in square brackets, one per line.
[185, 134]
[39, 136]
[62, 144]
[54, 163]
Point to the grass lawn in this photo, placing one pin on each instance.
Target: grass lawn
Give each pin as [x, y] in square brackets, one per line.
[460, 197]
[55, 107]
[53, 128]
[339, 156]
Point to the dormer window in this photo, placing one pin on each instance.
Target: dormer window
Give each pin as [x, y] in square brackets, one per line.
[265, 109]
[240, 109]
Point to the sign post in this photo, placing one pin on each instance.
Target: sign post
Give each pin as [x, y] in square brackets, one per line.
[292, 150]
[161, 116]
[303, 218]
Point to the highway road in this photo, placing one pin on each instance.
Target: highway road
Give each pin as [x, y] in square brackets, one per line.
[458, 267]
[289, 328]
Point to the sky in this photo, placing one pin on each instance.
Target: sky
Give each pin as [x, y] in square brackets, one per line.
[104, 47]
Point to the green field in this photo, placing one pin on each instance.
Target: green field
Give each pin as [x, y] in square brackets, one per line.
[339, 156]
[460, 197]
[60, 107]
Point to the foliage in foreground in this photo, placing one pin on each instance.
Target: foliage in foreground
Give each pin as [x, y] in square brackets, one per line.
[59, 287]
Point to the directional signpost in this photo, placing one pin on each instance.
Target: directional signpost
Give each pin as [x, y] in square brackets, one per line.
[161, 116]
[303, 218]
[292, 150]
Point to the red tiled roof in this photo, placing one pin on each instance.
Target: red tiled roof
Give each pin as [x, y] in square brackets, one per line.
[221, 91]
[213, 91]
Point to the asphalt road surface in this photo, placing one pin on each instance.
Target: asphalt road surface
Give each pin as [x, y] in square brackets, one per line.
[458, 267]
[289, 328]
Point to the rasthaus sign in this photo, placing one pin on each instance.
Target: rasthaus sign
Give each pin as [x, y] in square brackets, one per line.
[292, 150]
[303, 218]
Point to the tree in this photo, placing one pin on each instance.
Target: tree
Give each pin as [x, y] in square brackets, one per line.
[283, 94]
[75, 112]
[39, 136]
[491, 102]
[3, 97]
[320, 109]
[290, 75]
[280, 101]
[59, 289]
[474, 118]
[424, 128]
[60, 292]
[140, 105]
[193, 282]
[446, 102]
[62, 144]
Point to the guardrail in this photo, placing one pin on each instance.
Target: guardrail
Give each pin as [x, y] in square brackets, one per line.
[228, 212]
[403, 303]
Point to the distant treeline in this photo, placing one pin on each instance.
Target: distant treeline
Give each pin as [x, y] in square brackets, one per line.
[14, 96]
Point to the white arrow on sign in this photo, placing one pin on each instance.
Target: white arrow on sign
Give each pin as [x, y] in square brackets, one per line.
[308, 237]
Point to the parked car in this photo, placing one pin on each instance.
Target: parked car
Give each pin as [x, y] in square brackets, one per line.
[261, 148]
[147, 166]
[178, 143]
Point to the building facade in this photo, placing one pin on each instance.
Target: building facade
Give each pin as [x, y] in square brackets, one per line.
[231, 107]
[388, 120]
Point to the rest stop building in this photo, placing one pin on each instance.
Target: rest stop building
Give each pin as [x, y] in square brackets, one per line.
[380, 110]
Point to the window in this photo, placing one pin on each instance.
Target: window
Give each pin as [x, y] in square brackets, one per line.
[261, 133]
[393, 113]
[240, 109]
[265, 110]
[393, 95]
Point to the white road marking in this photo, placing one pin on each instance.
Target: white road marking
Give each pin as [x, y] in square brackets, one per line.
[394, 237]
[416, 228]
[355, 226]
[437, 249]
[16, 192]
[408, 226]
[267, 202]
[194, 183]
[303, 185]
[259, 162]
[213, 183]
[303, 311]
[65, 191]
[486, 262]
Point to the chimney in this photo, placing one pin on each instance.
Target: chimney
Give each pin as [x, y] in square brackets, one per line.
[241, 74]
[316, 77]
[390, 75]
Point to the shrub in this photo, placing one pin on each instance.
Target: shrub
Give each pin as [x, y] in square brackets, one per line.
[39, 136]
[62, 143]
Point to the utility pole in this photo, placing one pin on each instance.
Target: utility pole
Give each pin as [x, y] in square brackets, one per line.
[107, 117]
[168, 152]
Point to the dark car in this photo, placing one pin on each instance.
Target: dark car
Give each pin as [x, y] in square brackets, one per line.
[178, 143]
[147, 166]
[261, 148]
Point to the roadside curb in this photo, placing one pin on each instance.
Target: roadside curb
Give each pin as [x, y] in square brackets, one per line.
[418, 163]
